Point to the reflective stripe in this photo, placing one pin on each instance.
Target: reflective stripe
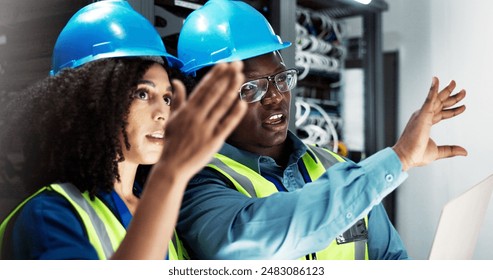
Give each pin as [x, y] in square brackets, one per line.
[76, 196]
[359, 250]
[176, 249]
[243, 181]
[172, 248]
[114, 227]
[174, 240]
[323, 155]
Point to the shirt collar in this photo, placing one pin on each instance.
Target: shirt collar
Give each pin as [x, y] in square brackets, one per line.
[251, 160]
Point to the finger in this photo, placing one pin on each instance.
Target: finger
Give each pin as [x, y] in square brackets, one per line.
[447, 91]
[435, 83]
[454, 99]
[449, 113]
[448, 151]
[178, 96]
[232, 119]
[230, 97]
[211, 88]
[432, 95]
[206, 91]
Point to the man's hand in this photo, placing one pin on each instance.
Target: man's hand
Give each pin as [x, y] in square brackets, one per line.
[415, 147]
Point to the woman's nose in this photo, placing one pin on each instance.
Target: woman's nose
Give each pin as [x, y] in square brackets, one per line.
[161, 111]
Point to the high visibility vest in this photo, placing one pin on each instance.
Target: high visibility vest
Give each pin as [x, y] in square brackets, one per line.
[252, 184]
[103, 228]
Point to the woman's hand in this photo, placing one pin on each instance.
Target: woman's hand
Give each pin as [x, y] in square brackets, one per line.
[199, 126]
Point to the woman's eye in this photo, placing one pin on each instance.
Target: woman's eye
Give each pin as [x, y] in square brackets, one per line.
[141, 94]
[167, 100]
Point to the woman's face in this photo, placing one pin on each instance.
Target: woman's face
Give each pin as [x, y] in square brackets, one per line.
[149, 111]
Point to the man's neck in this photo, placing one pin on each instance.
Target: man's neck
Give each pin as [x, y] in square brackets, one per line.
[280, 153]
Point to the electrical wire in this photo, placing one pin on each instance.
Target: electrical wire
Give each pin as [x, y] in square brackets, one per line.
[319, 127]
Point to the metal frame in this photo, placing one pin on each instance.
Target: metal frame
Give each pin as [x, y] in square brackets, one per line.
[283, 16]
[374, 93]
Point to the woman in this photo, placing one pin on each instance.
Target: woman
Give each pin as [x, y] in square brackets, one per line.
[86, 130]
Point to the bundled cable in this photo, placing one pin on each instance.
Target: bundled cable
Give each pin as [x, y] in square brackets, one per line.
[317, 124]
[318, 47]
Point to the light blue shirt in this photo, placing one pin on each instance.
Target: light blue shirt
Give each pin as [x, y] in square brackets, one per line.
[218, 222]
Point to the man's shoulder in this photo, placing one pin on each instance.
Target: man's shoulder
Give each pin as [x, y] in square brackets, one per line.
[208, 176]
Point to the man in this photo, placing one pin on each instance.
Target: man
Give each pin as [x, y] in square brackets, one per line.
[266, 195]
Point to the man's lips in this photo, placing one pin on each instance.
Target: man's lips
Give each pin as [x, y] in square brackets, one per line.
[275, 119]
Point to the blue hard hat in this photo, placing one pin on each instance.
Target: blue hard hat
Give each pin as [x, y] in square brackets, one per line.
[225, 31]
[107, 29]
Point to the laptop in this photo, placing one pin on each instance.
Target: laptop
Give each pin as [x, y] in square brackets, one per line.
[460, 223]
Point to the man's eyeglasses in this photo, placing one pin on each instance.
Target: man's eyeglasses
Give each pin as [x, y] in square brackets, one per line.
[254, 90]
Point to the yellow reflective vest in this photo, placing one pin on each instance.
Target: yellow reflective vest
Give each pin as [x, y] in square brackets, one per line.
[104, 230]
[252, 184]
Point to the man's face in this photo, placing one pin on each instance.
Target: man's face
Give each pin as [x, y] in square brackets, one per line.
[265, 124]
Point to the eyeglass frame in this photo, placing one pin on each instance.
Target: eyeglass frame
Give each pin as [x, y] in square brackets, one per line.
[271, 79]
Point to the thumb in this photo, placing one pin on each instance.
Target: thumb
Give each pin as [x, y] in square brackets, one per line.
[178, 96]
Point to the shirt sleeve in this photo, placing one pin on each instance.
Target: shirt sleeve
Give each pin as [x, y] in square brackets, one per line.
[384, 243]
[48, 228]
[218, 222]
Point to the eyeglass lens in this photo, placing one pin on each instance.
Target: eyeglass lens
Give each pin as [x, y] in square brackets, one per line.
[253, 91]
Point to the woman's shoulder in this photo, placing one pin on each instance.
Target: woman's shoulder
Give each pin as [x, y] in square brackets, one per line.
[46, 200]
[48, 227]
[46, 208]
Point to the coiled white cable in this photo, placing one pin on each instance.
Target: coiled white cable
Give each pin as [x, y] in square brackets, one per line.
[320, 130]
[302, 112]
[329, 124]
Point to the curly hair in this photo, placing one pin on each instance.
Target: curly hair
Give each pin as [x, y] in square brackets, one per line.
[69, 125]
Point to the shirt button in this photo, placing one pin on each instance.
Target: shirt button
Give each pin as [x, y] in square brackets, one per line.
[389, 178]
[349, 215]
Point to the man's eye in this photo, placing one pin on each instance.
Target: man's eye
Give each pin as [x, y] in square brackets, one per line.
[282, 78]
[248, 88]
[141, 94]
[167, 100]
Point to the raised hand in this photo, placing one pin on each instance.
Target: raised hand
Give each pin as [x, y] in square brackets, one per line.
[415, 147]
[199, 126]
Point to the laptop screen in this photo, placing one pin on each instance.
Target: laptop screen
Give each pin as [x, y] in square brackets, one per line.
[460, 223]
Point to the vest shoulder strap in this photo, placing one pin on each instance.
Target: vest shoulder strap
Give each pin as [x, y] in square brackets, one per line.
[176, 249]
[88, 211]
[243, 178]
[326, 157]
